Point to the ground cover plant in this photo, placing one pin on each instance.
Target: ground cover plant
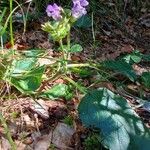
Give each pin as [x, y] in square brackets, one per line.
[58, 95]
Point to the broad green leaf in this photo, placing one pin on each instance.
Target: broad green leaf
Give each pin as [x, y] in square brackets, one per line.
[57, 91]
[84, 22]
[76, 48]
[146, 79]
[22, 66]
[120, 127]
[30, 82]
[121, 67]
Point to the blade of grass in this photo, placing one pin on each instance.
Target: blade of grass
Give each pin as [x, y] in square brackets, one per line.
[8, 134]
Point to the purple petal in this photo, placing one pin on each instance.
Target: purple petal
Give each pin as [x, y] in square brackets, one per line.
[56, 7]
[78, 10]
[54, 11]
[84, 3]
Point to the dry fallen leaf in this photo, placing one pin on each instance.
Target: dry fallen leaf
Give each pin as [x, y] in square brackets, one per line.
[40, 108]
[4, 145]
[62, 136]
[43, 142]
[127, 48]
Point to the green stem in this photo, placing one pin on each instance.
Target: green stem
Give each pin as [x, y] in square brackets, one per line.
[63, 50]
[68, 46]
[13, 146]
[78, 65]
[64, 56]
[10, 23]
[94, 66]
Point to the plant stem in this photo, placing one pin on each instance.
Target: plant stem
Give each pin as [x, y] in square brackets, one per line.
[2, 46]
[94, 66]
[10, 23]
[13, 146]
[63, 50]
[68, 46]
[64, 56]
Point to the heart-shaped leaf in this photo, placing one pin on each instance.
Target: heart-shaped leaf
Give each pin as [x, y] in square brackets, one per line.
[120, 127]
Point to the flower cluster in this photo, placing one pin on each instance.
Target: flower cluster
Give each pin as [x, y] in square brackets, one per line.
[78, 10]
[63, 18]
[54, 11]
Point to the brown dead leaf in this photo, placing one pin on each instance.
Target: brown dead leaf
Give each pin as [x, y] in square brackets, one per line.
[138, 70]
[62, 136]
[13, 127]
[28, 122]
[5, 144]
[56, 109]
[127, 48]
[45, 61]
[43, 142]
[40, 108]
[20, 145]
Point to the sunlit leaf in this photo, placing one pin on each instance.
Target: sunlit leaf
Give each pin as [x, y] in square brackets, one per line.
[120, 127]
[22, 66]
[57, 91]
[121, 67]
[30, 82]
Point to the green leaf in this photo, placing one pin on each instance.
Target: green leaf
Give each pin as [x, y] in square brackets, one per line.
[57, 91]
[121, 67]
[146, 58]
[120, 127]
[146, 79]
[22, 66]
[84, 22]
[76, 48]
[30, 82]
[134, 57]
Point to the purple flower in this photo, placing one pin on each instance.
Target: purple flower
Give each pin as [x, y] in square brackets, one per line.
[83, 3]
[54, 11]
[79, 9]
